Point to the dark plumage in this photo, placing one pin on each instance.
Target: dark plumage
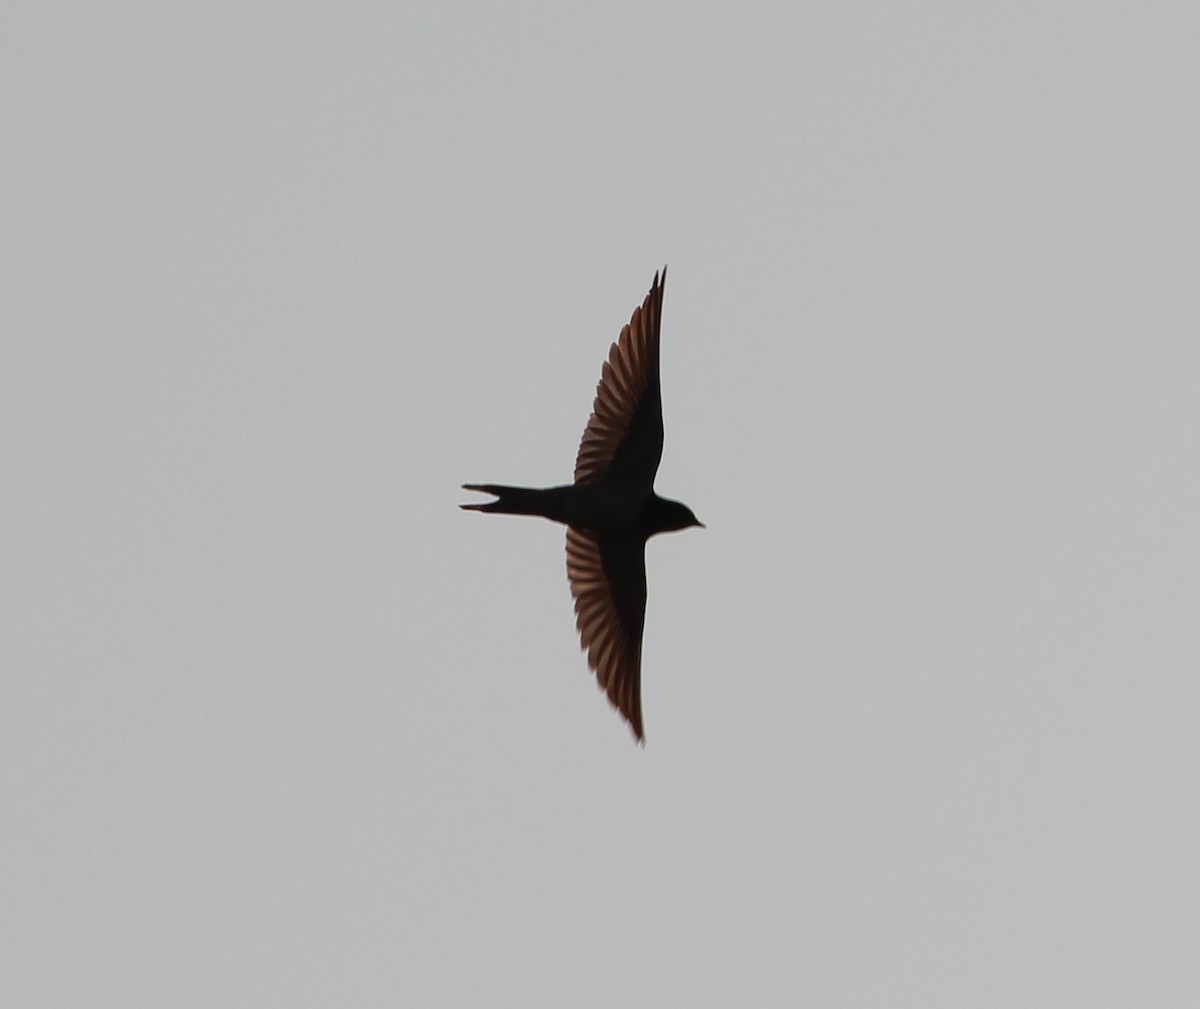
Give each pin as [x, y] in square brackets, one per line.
[611, 509]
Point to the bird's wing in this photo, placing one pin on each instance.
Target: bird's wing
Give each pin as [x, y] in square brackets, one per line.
[624, 437]
[608, 581]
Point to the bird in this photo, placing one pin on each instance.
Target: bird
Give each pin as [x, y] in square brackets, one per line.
[611, 509]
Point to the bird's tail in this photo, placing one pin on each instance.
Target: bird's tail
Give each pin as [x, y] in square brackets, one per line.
[518, 500]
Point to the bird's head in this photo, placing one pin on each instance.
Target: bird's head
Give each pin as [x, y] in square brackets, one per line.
[670, 516]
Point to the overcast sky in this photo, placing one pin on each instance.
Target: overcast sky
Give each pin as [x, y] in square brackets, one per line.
[281, 726]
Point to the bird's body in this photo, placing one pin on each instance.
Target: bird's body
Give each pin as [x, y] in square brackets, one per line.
[611, 509]
[599, 507]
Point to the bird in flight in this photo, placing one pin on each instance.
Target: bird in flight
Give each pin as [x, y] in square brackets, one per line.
[611, 510]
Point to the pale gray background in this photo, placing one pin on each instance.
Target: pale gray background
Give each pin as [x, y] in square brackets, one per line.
[281, 726]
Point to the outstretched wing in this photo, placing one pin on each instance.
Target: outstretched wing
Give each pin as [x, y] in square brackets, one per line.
[623, 440]
[608, 581]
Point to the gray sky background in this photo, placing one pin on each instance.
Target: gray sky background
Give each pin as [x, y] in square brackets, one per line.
[280, 725]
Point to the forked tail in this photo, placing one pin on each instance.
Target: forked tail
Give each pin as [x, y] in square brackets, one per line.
[518, 500]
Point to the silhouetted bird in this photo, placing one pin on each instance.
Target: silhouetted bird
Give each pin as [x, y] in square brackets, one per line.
[611, 509]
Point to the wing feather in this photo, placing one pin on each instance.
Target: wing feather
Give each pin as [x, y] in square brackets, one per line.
[608, 581]
[623, 437]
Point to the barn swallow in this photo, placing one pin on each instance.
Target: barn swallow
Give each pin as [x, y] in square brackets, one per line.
[611, 510]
